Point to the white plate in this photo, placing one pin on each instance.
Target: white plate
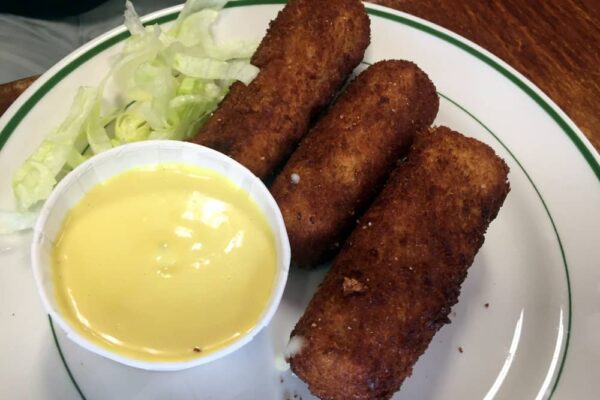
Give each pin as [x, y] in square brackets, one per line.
[538, 270]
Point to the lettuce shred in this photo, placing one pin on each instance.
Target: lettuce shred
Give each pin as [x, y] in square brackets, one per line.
[169, 82]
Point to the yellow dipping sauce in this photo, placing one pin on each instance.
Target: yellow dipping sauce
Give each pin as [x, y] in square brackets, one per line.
[164, 263]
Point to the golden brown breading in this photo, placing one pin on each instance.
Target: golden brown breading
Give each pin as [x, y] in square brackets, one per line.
[10, 91]
[309, 50]
[341, 164]
[409, 256]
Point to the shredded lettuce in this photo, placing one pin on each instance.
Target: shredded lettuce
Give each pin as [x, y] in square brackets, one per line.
[11, 222]
[169, 81]
[35, 179]
[206, 68]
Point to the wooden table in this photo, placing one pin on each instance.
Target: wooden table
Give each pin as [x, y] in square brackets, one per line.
[553, 43]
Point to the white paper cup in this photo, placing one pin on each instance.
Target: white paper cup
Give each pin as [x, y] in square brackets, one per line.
[110, 163]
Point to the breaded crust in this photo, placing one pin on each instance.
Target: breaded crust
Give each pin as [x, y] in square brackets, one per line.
[392, 286]
[341, 164]
[309, 50]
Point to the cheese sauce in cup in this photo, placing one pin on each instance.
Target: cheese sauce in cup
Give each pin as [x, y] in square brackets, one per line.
[160, 265]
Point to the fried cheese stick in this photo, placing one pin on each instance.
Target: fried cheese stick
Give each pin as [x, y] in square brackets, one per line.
[308, 52]
[341, 164]
[392, 286]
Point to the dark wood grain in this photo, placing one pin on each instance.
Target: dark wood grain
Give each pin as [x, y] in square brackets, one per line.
[553, 43]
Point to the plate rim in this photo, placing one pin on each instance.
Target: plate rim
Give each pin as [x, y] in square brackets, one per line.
[28, 100]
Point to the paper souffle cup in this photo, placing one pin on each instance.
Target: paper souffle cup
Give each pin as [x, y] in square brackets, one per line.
[112, 162]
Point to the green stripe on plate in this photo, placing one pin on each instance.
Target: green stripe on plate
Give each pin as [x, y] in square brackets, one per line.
[550, 110]
[62, 357]
[560, 245]
[527, 89]
[575, 138]
[64, 72]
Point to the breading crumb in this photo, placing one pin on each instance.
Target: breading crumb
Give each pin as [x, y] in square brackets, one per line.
[487, 305]
[197, 349]
[460, 349]
[351, 286]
